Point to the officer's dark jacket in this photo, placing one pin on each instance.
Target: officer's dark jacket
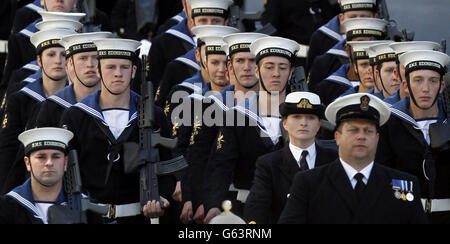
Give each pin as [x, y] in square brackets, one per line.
[324, 195]
[273, 178]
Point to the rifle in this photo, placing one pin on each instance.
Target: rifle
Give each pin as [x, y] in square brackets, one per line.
[144, 157]
[77, 205]
[88, 7]
[392, 31]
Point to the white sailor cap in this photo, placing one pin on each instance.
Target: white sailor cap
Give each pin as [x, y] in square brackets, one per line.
[227, 217]
[359, 106]
[360, 48]
[240, 42]
[402, 47]
[365, 27]
[350, 5]
[214, 45]
[424, 59]
[60, 15]
[383, 53]
[302, 103]
[45, 138]
[82, 42]
[210, 7]
[212, 30]
[49, 38]
[277, 46]
[59, 24]
[117, 48]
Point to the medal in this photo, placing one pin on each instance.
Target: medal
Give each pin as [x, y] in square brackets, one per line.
[410, 197]
[403, 196]
[396, 187]
[398, 195]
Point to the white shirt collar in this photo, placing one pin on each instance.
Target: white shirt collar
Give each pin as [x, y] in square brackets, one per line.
[351, 172]
[297, 153]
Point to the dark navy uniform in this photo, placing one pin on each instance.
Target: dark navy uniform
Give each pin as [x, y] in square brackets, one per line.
[273, 178]
[171, 22]
[335, 85]
[101, 154]
[403, 146]
[237, 149]
[26, 15]
[394, 98]
[186, 66]
[326, 64]
[313, 191]
[174, 43]
[323, 39]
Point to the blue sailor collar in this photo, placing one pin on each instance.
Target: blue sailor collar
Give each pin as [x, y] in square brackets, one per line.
[32, 66]
[33, 77]
[65, 98]
[338, 49]
[30, 29]
[401, 111]
[179, 17]
[24, 196]
[189, 60]
[340, 77]
[379, 94]
[35, 6]
[181, 31]
[332, 29]
[195, 83]
[393, 99]
[91, 106]
[35, 90]
[350, 91]
[221, 100]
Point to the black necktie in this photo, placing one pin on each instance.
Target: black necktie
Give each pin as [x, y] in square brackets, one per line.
[303, 163]
[360, 186]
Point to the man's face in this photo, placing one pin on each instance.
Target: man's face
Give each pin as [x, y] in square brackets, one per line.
[355, 14]
[48, 166]
[390, 81]
[208, 20]
[357, 141]
[117, 74]
[425, 84]
[65, 6]
[302, 126]
[217, 65]
[85, 64]
[275, 72]
[52, 60]
[365, 73]
[243, 64]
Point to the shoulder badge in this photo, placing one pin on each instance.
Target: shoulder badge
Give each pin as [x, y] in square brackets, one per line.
[175, 129]
[195, 130]
[220, 140]
[5, 121]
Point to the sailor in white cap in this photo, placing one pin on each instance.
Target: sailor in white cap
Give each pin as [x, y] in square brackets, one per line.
[411, 139]
[329, 77]
[179, 39]
[360, 189]
[241, 65]
[102, 122]
[400, 48]
[189, 65]
[46, 160]
[81, 54]
[256, 127]
[385, 69]
[302, 114]
[22, 106]
[360, 59]
[331, 33]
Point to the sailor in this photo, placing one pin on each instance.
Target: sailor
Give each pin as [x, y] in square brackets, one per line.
[257, 125]
[302, 113]
[385, 70]
[102, 122]
[359, 189]
[406, 141]
[324, 38]
[400, 48]
[358, 29]
[179, 39]
[81, 54]
[46, 160]
[22, 106]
